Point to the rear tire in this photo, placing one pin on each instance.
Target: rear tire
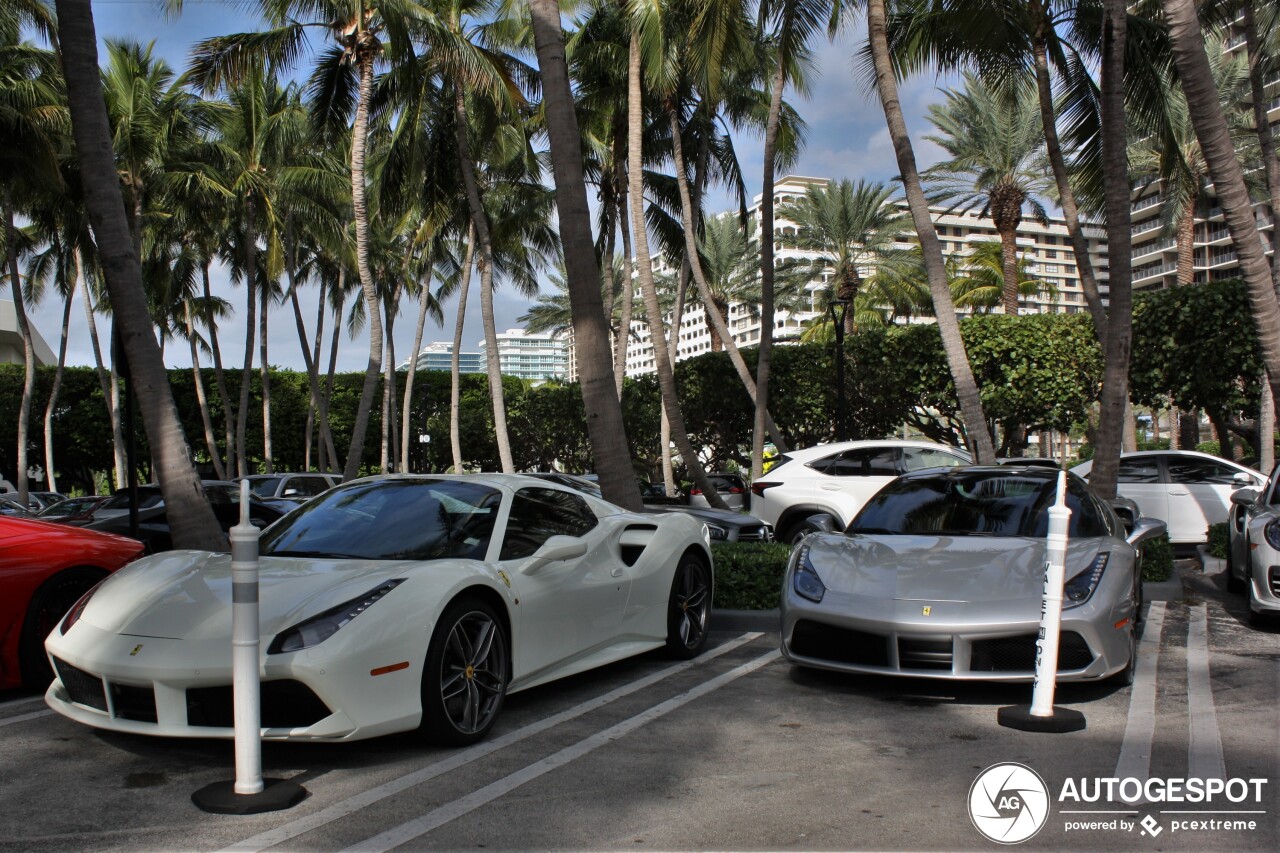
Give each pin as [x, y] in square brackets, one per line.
[689, 607]
[1124, 677]
[51, 601]
[1235, 584]
[801, 529]
[465, 679]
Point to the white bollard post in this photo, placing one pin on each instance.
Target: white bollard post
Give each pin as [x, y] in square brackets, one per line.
[1051, 605]
[245, 678]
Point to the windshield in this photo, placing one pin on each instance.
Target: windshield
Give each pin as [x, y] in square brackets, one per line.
[147, 498]
[974, 503]
[390, 520]
[263, 487]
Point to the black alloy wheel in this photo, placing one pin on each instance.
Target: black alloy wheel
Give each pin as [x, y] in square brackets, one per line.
[689, 607]
[466, 675]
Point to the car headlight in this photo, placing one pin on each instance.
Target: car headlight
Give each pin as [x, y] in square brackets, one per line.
[1077, 590]
[717, 533]
[804, 578]
[317, 629]
[1272, 533]
[73, 615]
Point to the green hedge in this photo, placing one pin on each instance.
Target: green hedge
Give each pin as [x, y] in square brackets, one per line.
[749, 575]
[1157, 559]
[1219, 540]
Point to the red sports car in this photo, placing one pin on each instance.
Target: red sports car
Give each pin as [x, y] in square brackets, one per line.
[44, 569]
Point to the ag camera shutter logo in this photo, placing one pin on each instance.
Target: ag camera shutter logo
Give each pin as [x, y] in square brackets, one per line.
[1008, 803]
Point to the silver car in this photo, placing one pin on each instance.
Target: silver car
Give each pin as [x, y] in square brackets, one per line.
[941, 575]
[1253, 554]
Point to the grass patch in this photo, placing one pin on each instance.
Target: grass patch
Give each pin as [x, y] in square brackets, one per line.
[1219, 540]
[749, 575]
[1157, 559]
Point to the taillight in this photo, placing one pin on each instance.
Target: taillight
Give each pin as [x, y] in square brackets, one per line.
[758, 488]
[734, 490]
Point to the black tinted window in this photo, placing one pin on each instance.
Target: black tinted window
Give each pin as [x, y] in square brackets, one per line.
[1189, 470]
[861, 462]
[1139, 469]
[539, 514]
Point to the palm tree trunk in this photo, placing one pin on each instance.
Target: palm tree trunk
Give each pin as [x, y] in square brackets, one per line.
[622, 345]
[248, 244]
[210, 441]
[424, 301]
[219, 375]
[764, 353]
[1009, 268]
[717, 310]
[310, 362]
[264, 373]
[1115, 377]
[975, 421]
[50, 477]
[485, 264]
[323, 414]
[190, 516]
[388, 460]
[662, 357]
[106, 380]
[1066, 195]
[455, 365]
[1267, 429]
[1267, 152]
[326, 457]
[1185, 242]
[28, 347]
[360, 207]
[605, 428]
[1228, 178]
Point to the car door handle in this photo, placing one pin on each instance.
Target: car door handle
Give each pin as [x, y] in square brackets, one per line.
[1179, 494]
[831, 487]
[617, 573]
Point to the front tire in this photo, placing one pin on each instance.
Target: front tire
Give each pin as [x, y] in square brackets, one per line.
[465, 679]
[689, 607]
[1125, 677]
[51, 601]
[1235, 584]
[801, 529]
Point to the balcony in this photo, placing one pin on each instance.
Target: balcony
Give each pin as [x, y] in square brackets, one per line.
[1144, 203]
[1152, 248]
[1153, 270]
[1145, 226]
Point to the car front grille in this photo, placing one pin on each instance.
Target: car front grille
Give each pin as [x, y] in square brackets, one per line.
[753, 533]
[133, 703]
[1018, 654]
[285, 704]
[841, 645]
[82, 688]
[931, 654]
[1273, 579]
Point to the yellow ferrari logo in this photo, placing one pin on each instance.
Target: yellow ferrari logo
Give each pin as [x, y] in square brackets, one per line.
[136, 649]
[927, 610]
[504, 577]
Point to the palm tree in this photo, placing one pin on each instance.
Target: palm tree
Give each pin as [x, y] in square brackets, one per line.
[846, 229]
[978, 435]
[590, 332]
[994, 137]
[190, 515]
[730, 265]
[1213, 133]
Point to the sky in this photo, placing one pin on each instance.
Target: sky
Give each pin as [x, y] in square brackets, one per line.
[846, 138]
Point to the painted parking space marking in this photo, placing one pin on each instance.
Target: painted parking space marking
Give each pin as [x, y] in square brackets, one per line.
[461, 758]
[1139, 727]
[1204, 750]
[407, 832]
[22, 718]
[18, 703]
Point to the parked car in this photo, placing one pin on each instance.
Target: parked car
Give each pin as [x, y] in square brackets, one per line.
[44, 569]
[1187, 489]
[73, 511]
[722, 525]
[835, 480]
[941, 575]
[1253, 552]
[153, 522]
[13, 509]
[731, 488]
[298, 488]
[474, 587]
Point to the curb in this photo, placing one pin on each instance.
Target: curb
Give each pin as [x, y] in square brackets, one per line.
[745, 620]
[1210, 564]
[1170, 590]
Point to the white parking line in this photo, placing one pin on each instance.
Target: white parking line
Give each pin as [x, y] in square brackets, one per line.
[406, 832]
[1139, 728]
[16, 703]
[341, 809]
[1204, 751]
[22, 718]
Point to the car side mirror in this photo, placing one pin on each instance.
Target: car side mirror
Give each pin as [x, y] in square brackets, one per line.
[823, 522]
[1146, 528]
[1242, 479]
[1244, 497]
[288, 493]
[557, 549]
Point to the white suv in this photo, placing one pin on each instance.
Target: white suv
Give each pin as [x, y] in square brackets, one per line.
[837, 479]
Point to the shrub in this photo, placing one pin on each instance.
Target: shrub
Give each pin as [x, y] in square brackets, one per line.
[1157, 559]
[1219, 540]
[749, 575]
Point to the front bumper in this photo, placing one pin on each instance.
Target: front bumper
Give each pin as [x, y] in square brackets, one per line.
[1264, 595]
[954, 640]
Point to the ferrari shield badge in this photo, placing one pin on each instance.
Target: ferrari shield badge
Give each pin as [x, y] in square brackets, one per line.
[926, 610]
[504, 577]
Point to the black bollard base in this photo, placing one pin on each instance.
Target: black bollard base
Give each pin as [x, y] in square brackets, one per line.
[1062, 720]
[276, 795]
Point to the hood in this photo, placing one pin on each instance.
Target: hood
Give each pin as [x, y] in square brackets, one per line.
[940, 568]
[186, 595]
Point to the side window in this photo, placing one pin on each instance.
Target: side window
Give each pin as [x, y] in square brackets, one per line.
[1139, 469]
[305, 486]
[863, 462]
[917, 458]
[1087, 518]
[538, 514]
[1189, 470]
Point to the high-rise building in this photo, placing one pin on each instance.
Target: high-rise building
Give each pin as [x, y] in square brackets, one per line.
[439, 356]
[527, 355]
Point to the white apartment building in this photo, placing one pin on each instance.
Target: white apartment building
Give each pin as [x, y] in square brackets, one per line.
[526, 355]
[1046, 248]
